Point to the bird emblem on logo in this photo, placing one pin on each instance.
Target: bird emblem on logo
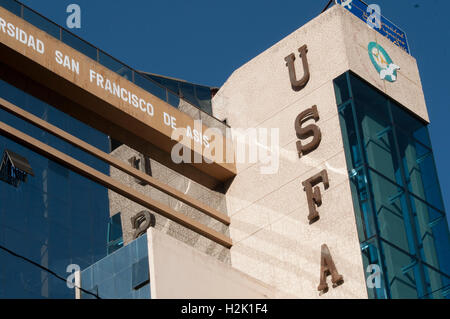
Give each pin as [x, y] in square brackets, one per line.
[390, 71]
[382, 62]
[347, 3]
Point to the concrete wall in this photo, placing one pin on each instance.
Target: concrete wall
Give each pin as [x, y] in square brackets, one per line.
[182, 272]
[273, 240]
[128, 208]
[407, 90]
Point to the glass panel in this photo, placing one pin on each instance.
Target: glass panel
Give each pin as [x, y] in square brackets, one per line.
[364, 216]
[145, 292]
[443, 293]
[381, 153]
[370, 101]
[420, 170]
[123, 282]
[373, 270]
[187, 92]
[204, 99]
[437, 284]
[115, 66]
[117, 274]
[174, 100]
[404, 192]
[49, 220]
[49, 114]
[79, 45]
[140, 273]
[41, 23]
[410, 125]
[93, 290]
[392, 212]
[172, 85]
[376, 132]
[11, 6]
[57, 143]
[403, 273]
[341, 89]
[352, 151]
[115, 239]
[150, 86]
[433, 235]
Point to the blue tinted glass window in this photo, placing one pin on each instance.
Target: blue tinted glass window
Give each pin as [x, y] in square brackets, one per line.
[11, 6]
[41, 23]
[57, 217]
[150, 86]
[204, 99]
[115, 66]
[173, 99]
[42, 221]
[79, 45]
[410, 125]
[187, 92]
[395, 189]
[342, 90]
[124, 274]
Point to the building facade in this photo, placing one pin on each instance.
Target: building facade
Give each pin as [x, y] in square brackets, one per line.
[123, 181]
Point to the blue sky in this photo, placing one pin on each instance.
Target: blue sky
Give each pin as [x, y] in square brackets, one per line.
[203, 41]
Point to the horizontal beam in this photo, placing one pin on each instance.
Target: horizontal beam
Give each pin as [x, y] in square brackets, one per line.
[85, 83]
[36, 121]
[108, 182]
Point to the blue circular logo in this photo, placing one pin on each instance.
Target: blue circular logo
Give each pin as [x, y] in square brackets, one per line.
[383, 62]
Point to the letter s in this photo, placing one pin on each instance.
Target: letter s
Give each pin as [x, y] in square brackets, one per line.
[308, 131]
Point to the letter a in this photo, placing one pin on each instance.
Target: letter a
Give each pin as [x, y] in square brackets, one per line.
[73, 20]
[327, 268]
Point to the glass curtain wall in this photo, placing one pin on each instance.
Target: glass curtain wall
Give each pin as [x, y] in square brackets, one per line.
[124, 274]
[56, 218]
[399, 210]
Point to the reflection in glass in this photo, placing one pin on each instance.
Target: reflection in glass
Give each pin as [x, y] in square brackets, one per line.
[79, 45]
[11, 6]
[115, 66]
[395, 189]
[57, 218]
[41, 23]
[124, 274]
[150, 86]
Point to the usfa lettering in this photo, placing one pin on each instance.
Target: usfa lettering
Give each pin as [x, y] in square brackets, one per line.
[296, 84]
[327, 268]
[310, 130]
[313, 194]
[311, 185]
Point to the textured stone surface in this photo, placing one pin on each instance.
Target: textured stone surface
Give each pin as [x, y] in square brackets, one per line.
[290, 167]
[194, 275]
[273, 240]
[128, 208]
[407, 90]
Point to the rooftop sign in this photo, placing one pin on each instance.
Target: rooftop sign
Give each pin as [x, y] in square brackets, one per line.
[385, 27]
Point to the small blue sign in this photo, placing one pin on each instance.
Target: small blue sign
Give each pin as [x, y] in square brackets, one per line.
[385, 27]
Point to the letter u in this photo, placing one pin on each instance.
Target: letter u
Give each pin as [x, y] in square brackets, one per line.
[297, 85]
